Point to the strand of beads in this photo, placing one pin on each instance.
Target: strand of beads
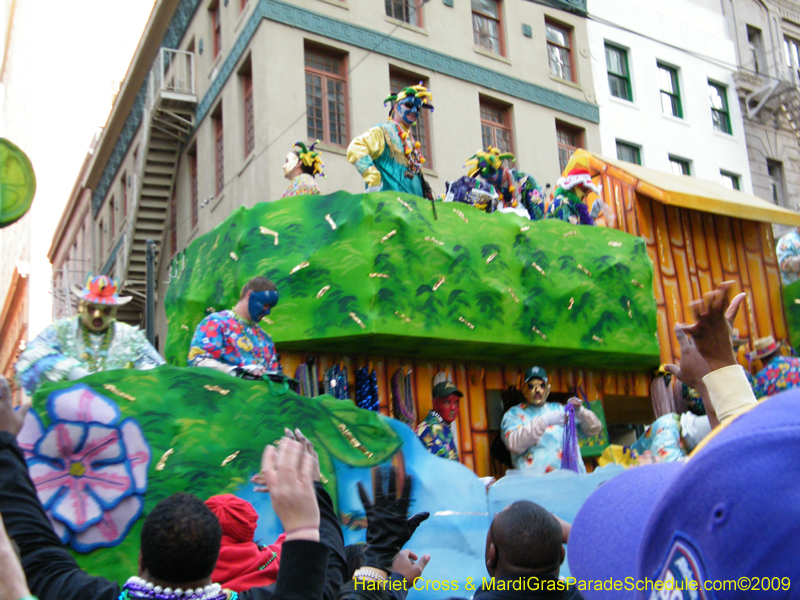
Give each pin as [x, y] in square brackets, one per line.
[411, 150]
[137, 588]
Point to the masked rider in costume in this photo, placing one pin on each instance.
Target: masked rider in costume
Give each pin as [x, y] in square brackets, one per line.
[388, 156]
[92, 341]
[301, 166]
[534, 430]
[232, 341]
[517, 192]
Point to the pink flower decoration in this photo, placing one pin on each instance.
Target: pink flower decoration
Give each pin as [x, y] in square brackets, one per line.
[89, 468]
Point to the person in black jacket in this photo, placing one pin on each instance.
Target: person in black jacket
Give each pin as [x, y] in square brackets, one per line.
[312, 566]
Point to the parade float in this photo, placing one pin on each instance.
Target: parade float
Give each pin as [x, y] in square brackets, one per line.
[391, 283]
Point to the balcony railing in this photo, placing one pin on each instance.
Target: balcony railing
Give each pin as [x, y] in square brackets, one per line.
[172, 75]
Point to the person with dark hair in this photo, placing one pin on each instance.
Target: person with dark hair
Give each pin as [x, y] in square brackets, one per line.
[524, 553]
[232, 340]
[301, 166]
[180, 536]
[180, 540]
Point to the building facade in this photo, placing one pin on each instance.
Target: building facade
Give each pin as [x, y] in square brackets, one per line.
[664, 76]
[766, 35]
[219, 91]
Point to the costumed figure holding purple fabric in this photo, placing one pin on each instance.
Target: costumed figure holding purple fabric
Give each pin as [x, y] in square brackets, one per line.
[231, 341]
[534, 431]
[517, 192]
[568, 202]
[388, 156]
[301, 167]
[92, 341]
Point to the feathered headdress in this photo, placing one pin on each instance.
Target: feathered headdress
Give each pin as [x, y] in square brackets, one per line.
[487, 163]
[309, 157]
[419, 92]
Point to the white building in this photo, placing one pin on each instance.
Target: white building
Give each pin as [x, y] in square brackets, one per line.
[663, 76]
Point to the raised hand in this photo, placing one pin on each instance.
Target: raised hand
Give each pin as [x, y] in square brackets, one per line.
[388, 524]
[10, 419]
[289, 474]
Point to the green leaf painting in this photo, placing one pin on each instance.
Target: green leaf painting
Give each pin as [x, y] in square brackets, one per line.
[376, 273]
[207, 431]
[791, 306]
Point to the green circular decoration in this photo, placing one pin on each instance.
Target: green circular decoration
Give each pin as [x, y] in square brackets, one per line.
[17, 183]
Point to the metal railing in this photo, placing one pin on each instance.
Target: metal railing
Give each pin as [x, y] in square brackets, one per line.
[172, 72]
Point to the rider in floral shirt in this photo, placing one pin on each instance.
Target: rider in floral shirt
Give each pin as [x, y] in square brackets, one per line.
[232, 341]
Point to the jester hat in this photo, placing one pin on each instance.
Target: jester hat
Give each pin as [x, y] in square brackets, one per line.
[422, 97]
[309, 157]
[487, 163]
[101, 290]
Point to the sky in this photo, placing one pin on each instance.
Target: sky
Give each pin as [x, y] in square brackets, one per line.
[65, 62]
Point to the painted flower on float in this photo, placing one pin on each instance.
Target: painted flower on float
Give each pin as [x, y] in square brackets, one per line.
[89, 467]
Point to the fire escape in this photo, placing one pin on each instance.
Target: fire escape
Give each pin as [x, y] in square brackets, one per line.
[167, 122]
[767, 97]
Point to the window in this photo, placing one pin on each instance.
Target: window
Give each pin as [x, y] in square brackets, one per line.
[496, 126]
[559, 50]
[729, 180]
[755, 42]
[487, 25]
[679, 166]
[111, 219]
[720, 115]
[193, 200]
[326, 96]
[124, 194]
[397, 81]
[670, 92]
[408, 11]
[569, 139]
[100, 236]
[619, 78]
[776, 183]
[792, 47]
[246, 77]
[629, 152]
[216, 29]
[219, 151]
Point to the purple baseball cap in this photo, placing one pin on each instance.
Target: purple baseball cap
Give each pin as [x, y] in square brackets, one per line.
[727, 518]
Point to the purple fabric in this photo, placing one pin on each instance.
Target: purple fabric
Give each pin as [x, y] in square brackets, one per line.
[571, 452]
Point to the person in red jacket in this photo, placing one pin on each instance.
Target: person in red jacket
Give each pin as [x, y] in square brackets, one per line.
[242, 564]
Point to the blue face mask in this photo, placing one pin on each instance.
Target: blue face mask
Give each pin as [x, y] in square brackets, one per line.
[260, 304]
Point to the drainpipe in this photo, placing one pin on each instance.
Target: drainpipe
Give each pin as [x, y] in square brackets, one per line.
[150, 293]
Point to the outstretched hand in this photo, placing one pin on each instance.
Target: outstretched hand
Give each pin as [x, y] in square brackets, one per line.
[289, 474]
[388, 524]
[711, 332]
[10, 419]
[693, 366]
